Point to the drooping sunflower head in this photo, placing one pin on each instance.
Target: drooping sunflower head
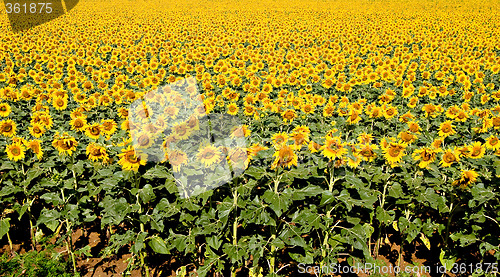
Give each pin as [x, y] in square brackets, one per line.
[367, 152]
[285, 156]
[425, 155]
[93, 131]
[468, 177]
[78, 123]
[8, 128]
[176, 158]
[300, 138]
[238, 157]
[36, 147]
[96, 152]
[449, 157]
[240, 131]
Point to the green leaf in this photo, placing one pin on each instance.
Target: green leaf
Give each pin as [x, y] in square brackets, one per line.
[384, 216]
[256, 172]
[481, 195]
[465, 240]
[139, 243]
[434, 200]
[307, 259]
[310, 190]
[278, 203]
[354, 181]
[4, 227]
[52, 198]
[225, 208]
[157, 172]
[158, 245]
[214, 242]
[446, 260]
[50, 218]
[395, 190]
[146, 194]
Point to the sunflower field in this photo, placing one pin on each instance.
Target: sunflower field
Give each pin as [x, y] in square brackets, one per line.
[359, 125]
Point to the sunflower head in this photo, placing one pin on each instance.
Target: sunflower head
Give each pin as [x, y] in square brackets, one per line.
[15, 151]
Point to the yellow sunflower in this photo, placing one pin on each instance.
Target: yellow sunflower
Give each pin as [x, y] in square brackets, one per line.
[78, 123]
[449, 157]
[394, 153]
[493, 142]
[181, 131]
[425, 155]
[446, 129]
[36, 130]
[93, 131]
[108, 126]
[333, 148]
[476, 150]
[232, 109]
[279, 139]
[143, 140]
[130, 161]
[96, 152]
[60, 103]
[254, 149]
[5, 109]
[8, 127]
[65, 144]
[288, 115]
[209, 155]
[36, 147]
[467, 178]
[15, 151]
[285, 156]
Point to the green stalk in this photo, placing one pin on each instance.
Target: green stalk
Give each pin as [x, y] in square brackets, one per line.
[69, 246]
[377, 247]
[272, 260]
[328, 214]
[73, 170]
[143, 254]
[235, 225]
[448, 223]
[10, 242]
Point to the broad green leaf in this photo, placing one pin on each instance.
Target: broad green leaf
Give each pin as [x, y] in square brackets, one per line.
[146, 194]
[157, 172]
[446, 260]
[307, 259]
[277, 202]
[4, 226]
[383, 216]
[158, 245]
